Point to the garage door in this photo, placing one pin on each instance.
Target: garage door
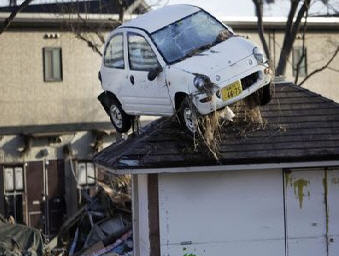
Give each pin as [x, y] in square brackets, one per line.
[305, 213]
[234, 213]
[312, 212]
[333, 211]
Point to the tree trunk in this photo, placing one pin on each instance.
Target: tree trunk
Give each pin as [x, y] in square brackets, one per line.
[11, 17]
[259, 12]
[290, 35]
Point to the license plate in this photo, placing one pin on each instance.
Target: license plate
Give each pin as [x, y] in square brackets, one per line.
[231, 90]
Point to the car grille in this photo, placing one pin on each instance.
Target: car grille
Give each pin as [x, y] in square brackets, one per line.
[249, 80]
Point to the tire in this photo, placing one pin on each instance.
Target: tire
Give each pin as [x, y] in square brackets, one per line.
[188, 116]
[120, 120]
[266, 93]
[261, 97]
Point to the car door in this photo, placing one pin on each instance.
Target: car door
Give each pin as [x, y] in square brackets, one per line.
[113, 69]
[145, 96]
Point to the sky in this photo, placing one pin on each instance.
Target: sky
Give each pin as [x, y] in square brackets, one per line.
[222, 8]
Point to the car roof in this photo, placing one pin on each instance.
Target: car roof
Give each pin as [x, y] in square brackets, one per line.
[159, 18]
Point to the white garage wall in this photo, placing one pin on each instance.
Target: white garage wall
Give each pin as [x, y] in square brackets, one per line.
[333, 211]
[144, 244]
[233, 213]
[305, 212]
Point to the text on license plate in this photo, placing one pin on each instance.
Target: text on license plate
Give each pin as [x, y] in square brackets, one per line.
[231, 90]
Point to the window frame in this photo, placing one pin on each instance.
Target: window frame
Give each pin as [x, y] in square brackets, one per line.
[15, 190]
[123, 50]
[44, 49]
[294, 65]
[87, 185]
[129, 33]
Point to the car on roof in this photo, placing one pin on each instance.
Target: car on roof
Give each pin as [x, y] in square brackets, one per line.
[179, 59]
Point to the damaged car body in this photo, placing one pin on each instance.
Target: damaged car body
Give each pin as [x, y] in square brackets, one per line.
[187, 62]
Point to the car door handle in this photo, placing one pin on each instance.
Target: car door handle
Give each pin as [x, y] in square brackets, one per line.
[131, 78]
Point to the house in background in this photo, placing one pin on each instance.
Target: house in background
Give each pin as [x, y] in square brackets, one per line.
[51, 122]
[273, 189]
[321, 41]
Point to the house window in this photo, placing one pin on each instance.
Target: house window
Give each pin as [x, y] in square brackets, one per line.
[140, 54]
[114, 53]
[52, 64]
[297, 54]
[13, 179]
[86, 173]
[13, 192]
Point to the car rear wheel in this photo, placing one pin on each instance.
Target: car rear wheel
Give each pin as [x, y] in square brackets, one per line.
[120, 120]
[188, 116]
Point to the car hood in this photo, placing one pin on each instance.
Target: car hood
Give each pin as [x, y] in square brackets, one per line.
[219, 57]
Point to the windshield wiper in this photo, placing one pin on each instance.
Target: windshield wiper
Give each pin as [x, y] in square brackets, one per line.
[198, 50]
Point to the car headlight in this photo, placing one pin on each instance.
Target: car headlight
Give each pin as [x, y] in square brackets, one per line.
[258, 55]
[200, 82]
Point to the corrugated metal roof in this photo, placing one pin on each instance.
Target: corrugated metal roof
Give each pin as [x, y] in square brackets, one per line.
[300, 126]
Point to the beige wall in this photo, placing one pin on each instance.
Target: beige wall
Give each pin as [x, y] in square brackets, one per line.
[320, 47]
[27, 100]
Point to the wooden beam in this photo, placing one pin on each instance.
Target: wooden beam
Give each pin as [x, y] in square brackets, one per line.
[153, 214]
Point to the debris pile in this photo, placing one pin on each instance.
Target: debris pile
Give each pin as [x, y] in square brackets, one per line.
[18, 240]
[244, 114]
[103, 226]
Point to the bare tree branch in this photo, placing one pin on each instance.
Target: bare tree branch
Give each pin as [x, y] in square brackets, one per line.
[303, 49]
[259, 12]
[90, 44]
[291, 35]
[11, 17]
[322, 68]
[333, 69]
[133, 6]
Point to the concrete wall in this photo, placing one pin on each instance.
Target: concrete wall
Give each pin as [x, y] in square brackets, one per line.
[320, 47]
[26, 99]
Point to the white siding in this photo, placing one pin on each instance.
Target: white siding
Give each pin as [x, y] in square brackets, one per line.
[333, 211]
[306, 213]
[234, 213]
[144, 244]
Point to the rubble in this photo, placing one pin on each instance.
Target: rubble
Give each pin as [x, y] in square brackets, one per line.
[103, 226]
[17, 240]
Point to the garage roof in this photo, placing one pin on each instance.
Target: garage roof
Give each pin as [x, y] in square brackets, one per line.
[300, 126]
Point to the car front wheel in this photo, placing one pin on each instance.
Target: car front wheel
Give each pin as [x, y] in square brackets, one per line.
[188, 116]
[121, 121]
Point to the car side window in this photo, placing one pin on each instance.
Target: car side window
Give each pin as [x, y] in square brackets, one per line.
[140, 54]
[114, 52]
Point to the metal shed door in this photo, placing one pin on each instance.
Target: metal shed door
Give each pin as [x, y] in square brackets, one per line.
[231, 213]
[333, 211]
[305, 213]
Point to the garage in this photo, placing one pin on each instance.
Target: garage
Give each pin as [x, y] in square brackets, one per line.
[270, 212]
[270, 190]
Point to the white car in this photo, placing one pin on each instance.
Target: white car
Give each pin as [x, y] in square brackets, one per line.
[178, 59]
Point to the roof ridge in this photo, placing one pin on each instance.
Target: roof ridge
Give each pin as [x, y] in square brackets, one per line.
[315, 94]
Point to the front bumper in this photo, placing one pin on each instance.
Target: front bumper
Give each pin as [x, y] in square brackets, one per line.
[216, 103]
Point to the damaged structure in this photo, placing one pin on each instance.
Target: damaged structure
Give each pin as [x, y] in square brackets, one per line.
[272, 191]
[50, 123]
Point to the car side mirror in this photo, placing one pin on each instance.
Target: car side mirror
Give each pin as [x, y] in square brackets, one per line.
[153, 73]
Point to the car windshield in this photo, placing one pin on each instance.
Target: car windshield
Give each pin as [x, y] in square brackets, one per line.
[189, 36]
